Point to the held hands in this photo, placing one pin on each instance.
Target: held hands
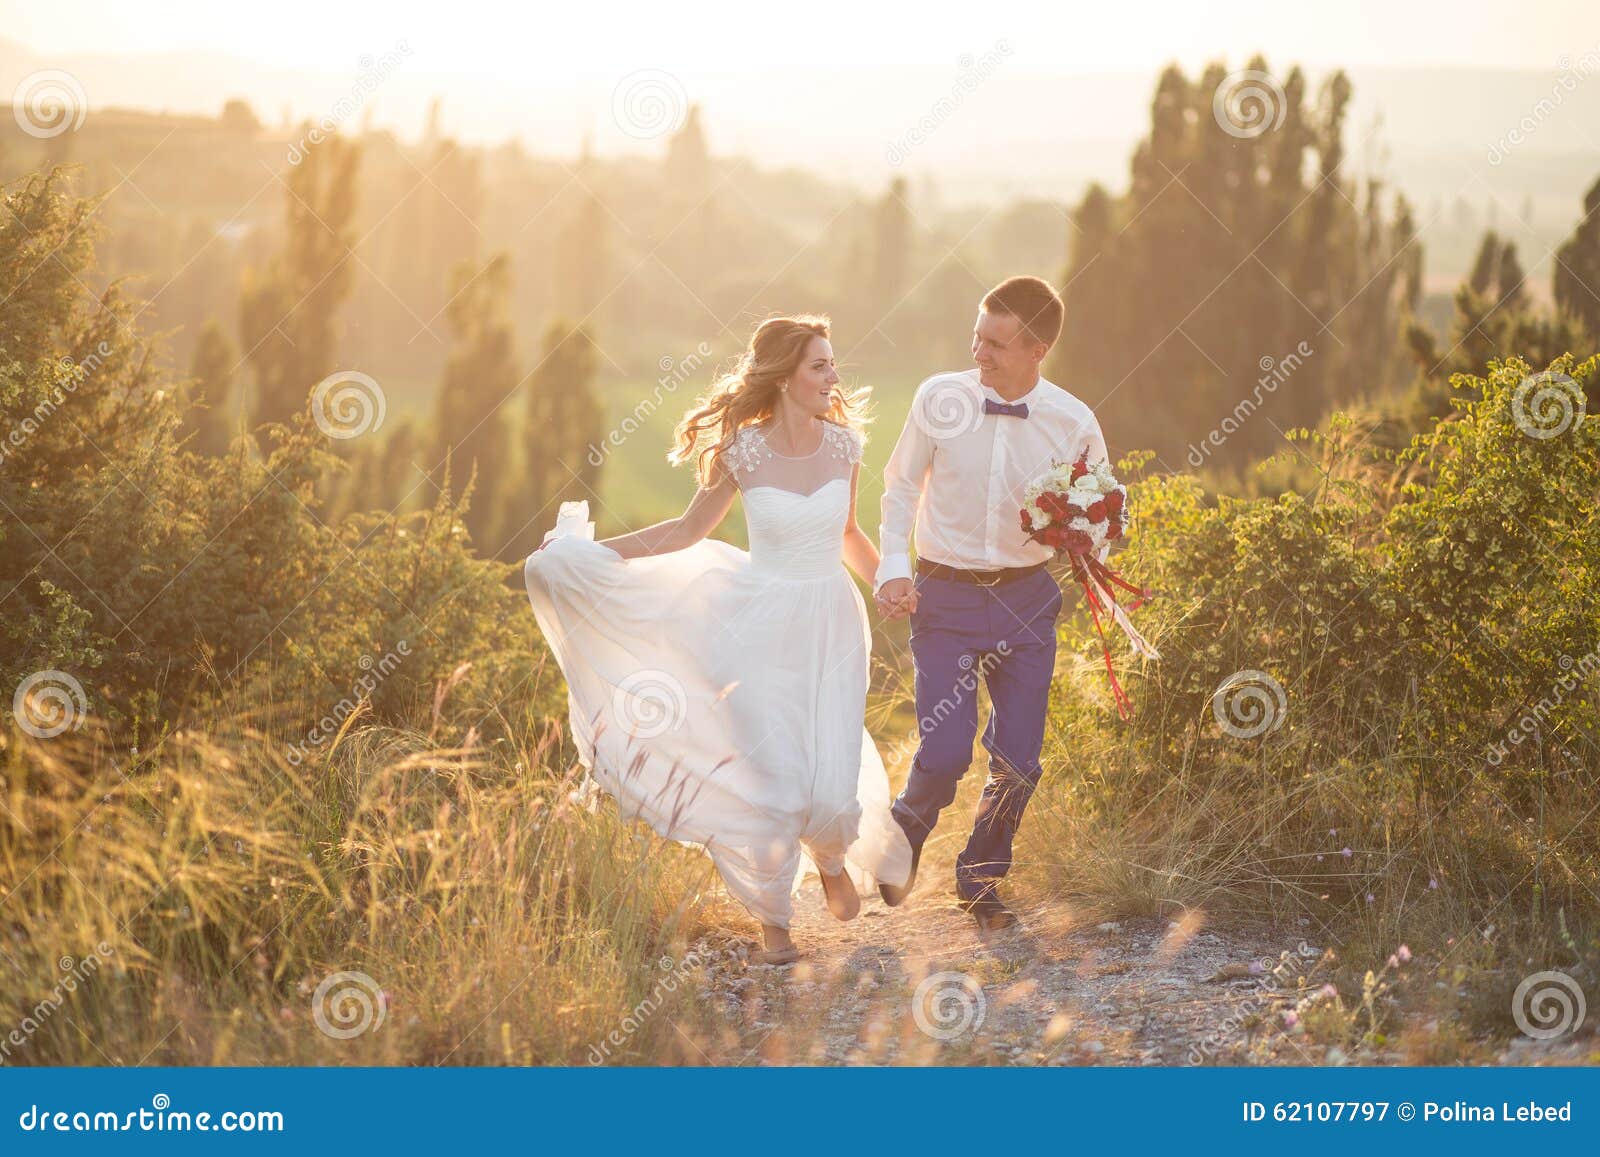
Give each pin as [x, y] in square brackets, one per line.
[896, 599]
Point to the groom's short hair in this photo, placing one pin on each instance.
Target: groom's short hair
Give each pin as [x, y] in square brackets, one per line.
[1033, 303]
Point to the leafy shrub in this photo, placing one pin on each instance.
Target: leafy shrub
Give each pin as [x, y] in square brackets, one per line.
[1448, 601]
[168, 583]
[1397, 623]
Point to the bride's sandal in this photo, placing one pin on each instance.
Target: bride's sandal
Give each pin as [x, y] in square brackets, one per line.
[776, 947]
[843, 899]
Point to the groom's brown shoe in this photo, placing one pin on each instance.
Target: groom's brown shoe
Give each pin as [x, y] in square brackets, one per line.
[990, 912]
[895, 895]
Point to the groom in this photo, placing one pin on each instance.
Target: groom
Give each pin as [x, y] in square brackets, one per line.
[982, 604]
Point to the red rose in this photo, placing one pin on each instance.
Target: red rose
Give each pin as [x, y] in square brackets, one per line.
[1114, 500]
[1096, 511]
[1114, 530]
[1027, 521]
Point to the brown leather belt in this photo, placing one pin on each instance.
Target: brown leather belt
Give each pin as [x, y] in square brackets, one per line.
[982, 578]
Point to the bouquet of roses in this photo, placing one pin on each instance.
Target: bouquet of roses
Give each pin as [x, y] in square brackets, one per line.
[1077, 509]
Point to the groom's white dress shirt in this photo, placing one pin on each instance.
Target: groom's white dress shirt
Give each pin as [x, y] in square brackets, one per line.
[959, 474]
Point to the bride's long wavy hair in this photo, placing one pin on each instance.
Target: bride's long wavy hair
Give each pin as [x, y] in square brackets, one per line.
[749, 393]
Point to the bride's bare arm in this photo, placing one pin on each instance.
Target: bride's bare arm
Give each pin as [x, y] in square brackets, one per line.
[859, 553]
[709, 506]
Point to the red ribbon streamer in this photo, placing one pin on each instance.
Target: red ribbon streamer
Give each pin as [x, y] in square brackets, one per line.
[1082, 567]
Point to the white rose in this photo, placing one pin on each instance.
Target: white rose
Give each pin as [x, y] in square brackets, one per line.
[1079, 498]
[1087, 482]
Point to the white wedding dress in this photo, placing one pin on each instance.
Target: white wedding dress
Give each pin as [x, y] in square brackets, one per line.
[720, 695]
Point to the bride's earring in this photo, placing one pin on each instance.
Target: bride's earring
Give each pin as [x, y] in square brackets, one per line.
[784, 388]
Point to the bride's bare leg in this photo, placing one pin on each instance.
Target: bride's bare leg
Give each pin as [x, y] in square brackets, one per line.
[827, 853]
[761, 878]
[776, 946]
[843, 899]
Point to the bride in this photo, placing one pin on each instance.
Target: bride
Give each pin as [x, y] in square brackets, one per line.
[720, 695]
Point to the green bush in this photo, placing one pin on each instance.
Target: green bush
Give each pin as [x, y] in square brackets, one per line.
[1328, 732]
[1447, 602]
[168, 583]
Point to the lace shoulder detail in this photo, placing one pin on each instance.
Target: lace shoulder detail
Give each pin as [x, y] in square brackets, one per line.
[744, 453]
[843, 442]
[750, 461]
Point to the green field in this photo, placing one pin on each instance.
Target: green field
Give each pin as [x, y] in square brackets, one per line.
[639, 486]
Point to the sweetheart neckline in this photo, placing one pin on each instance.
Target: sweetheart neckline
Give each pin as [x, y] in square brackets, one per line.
[796, 493]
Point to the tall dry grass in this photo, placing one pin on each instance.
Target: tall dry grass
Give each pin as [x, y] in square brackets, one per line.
[1344, 852]
[182, 904]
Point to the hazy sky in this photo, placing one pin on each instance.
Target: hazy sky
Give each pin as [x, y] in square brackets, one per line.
[841, 86]
[549, 43]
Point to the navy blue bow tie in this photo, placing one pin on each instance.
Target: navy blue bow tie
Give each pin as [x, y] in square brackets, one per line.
[1014, 410]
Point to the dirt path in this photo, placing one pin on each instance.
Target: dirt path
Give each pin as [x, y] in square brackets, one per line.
[920, 985]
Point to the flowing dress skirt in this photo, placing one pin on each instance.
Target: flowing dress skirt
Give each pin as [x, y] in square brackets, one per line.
[723, 704]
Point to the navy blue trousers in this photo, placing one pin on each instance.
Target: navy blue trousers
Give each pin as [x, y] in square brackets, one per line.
[1004, 636]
